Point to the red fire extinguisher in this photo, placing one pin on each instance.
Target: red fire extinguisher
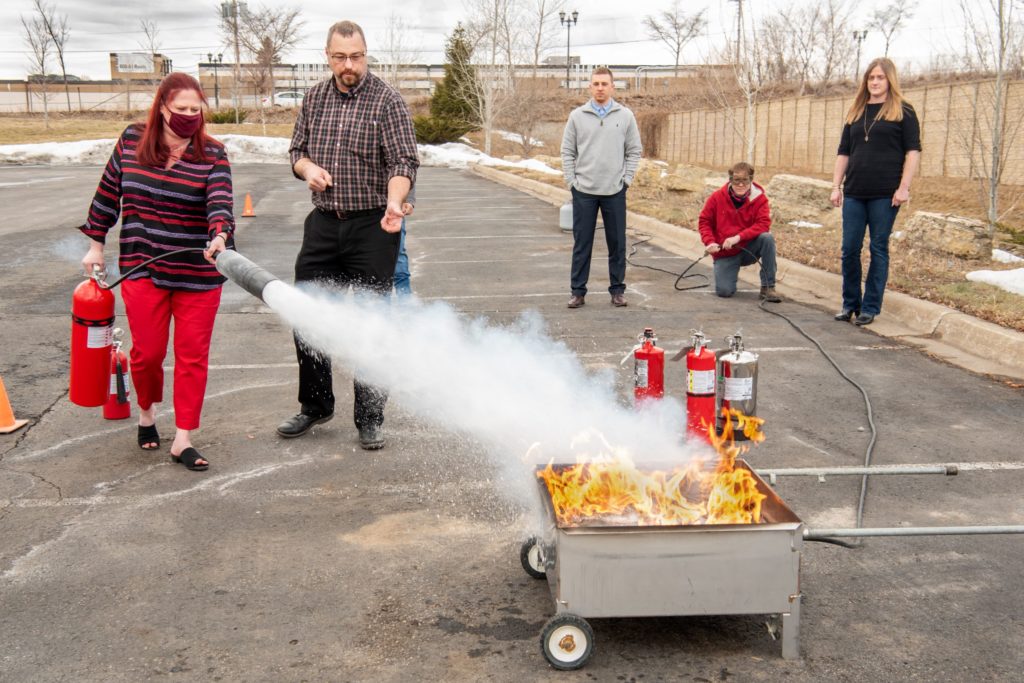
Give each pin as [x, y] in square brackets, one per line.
[648, 368]
[92, 326]
[700, 386]
[117, 406]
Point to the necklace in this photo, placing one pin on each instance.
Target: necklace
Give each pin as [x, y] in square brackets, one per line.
[867, 128]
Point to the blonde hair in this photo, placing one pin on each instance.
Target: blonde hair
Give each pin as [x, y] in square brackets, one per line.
[892, 108]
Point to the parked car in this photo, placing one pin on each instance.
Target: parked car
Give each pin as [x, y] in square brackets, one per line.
[290, 98]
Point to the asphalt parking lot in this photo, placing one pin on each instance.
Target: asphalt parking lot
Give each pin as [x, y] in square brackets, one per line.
[313, 560]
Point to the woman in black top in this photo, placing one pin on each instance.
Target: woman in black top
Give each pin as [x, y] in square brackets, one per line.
[878, 154]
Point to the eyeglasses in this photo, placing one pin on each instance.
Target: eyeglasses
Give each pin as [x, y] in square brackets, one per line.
[740, 181]
[355, 57]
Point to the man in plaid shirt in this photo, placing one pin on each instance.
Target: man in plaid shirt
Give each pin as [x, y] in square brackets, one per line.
[355, 147]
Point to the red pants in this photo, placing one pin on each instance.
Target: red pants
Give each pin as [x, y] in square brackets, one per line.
[150, 310]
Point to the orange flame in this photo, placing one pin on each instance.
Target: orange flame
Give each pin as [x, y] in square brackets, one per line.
[617, 491]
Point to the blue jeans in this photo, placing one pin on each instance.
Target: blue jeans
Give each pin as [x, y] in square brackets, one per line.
[727, 269]
[584, 224]
[877, 216]
[402, 286]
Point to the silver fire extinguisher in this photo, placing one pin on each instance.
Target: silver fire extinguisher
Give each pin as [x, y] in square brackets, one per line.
[736, 387]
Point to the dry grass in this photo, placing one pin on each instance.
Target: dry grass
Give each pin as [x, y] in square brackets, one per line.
[15, 130]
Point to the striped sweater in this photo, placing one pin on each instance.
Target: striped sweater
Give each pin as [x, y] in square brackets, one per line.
[164, 210]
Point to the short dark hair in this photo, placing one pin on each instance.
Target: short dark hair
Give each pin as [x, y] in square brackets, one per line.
[740, 167]
[345, 29]
[601, 70]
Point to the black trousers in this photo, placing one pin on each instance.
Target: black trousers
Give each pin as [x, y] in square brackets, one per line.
[341, 253]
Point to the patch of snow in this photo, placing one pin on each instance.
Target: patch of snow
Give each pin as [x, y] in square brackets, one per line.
[457, 155]
[244, 149]
[1005, 256]
[1010, 280]
[58, 153]
[805, 224]
[516, 137]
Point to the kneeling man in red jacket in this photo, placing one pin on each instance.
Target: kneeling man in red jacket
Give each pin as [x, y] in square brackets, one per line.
[734, 227]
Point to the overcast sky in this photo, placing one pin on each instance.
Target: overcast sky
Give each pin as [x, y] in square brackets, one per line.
[607, 33]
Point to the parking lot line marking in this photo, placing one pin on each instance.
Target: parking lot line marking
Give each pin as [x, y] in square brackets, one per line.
[32, 455]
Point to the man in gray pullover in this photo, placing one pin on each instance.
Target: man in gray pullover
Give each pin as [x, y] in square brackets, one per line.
[600, 152]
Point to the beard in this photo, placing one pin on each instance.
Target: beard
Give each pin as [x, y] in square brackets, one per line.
[350, 79]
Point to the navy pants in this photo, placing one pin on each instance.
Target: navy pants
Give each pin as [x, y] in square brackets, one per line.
[339, 253]
[875, 216]
[584, 224]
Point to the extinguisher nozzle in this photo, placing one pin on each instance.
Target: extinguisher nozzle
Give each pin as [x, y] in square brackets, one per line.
[244, 273]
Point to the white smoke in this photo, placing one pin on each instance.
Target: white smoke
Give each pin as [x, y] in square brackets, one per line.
[524, 396]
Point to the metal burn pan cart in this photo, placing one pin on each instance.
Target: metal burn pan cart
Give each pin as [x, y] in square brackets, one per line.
[602, 569]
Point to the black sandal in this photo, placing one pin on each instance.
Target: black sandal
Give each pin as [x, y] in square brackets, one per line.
[188, 458]
[148, 435]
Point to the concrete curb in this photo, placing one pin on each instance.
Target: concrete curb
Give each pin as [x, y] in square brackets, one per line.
[942, 331]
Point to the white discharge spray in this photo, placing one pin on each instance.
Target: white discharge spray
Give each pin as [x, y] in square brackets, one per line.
[524, 396]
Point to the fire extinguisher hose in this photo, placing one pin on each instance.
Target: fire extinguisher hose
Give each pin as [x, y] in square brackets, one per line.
[124, 276]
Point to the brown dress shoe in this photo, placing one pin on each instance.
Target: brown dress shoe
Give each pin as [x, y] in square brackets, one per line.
[770, 295]
[575, 301]
[619, 300]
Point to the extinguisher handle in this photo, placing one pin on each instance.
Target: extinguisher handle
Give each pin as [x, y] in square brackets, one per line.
[99, 274]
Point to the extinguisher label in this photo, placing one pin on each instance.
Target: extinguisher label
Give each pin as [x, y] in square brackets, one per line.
[700, 382]
[100, 337]
[640, 373]
[739, 388]
[113, 384]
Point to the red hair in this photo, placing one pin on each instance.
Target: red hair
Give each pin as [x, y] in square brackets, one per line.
[151, 150]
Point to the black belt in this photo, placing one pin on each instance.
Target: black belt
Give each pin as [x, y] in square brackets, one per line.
[346, 215]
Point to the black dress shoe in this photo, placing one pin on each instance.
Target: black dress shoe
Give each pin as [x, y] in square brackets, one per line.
[864, 319]
[299, 424]
[846, 315]
[371, 437]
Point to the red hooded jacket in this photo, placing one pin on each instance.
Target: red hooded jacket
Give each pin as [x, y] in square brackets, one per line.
[720, 219]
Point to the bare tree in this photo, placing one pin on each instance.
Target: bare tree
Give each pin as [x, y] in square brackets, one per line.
[56, 26]
[39, 42]
[540, 15]
[890, 19]
[494, 36]
[267, 33]
[264, 35]
[675, 28]
[398, 47]
[150, 37]
[789, 44]
[837, 43]
[995, 41]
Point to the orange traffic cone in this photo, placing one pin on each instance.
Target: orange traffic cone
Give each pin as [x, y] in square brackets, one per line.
[247, 211]
[7, 422]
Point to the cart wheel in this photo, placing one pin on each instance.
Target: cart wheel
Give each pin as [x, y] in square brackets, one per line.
[567, 641]
[532, 559]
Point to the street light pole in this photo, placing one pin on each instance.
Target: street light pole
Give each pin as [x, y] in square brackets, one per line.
[859, 36]
[215, 62]
[568, 21]
[229, 10]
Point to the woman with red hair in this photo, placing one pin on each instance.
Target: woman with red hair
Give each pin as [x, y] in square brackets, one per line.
[171, 185]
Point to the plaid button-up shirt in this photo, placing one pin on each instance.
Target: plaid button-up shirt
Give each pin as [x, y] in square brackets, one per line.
[363, 138]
